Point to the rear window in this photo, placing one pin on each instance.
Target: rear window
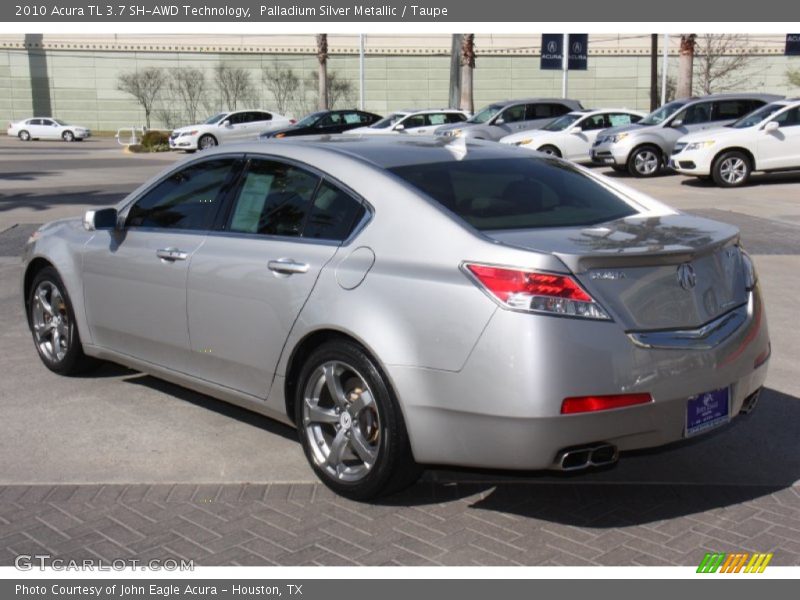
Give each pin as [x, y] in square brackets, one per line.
[516, 193]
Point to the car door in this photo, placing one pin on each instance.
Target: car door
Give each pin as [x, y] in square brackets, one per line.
[330, 123]
[248, 283]
[695, 117]
[413, 124]
[259, 121]
[780, 148]
[235, 126]
[576, 145]
[36, 129]
[511, 120]
[49, 130]
[135, 278]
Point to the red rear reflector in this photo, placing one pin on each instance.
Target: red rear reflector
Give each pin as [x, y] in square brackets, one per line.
[582, 404]
[292, 121]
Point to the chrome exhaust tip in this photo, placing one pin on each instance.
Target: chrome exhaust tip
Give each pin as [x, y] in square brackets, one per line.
[750, 402]
[595, 455]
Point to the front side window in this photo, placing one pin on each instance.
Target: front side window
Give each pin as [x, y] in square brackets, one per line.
[215, 118]
[186, 199]
[594, 122]
[486, 113]
[514, 114]
[695, 114]
[414, 121]
[274, 199]
[516, 193]
[790, 118]
[330, 120]
[561, 123]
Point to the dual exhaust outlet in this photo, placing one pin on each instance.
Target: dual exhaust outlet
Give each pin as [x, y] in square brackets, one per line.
[593, 455]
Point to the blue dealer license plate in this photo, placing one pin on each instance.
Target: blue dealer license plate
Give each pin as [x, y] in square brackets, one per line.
[707, 411]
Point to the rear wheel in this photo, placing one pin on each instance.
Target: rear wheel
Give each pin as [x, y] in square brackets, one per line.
[52, 323]
[68, 136]
[644, 161]
[731, 169]
[551, 150]
[350, 425]
[24, 136]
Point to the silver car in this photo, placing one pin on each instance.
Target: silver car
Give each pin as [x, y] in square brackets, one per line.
[500, 119]
[408, 301]
[643, 149]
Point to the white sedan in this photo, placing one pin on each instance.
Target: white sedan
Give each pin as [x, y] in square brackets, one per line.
[768, 139]
[238, 125]
[47, 128]
[417, 122]
[571, 136]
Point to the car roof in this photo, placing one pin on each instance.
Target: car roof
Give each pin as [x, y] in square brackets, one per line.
[733, 96]
[568, 101]
[385, 152]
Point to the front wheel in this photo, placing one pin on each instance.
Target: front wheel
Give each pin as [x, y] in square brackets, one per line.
[350, 425]
[206, 141]
[68, 136]
[731, 169]
[24, 136]
[550, 150]
[52, 323]
[645, 161]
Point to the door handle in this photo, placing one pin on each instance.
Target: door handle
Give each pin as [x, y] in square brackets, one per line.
[171, 254]
[287, 266]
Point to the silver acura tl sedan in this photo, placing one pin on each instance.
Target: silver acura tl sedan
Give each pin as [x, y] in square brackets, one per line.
[412, 301]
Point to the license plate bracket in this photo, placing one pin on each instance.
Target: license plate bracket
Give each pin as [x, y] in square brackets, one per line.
[707, 411]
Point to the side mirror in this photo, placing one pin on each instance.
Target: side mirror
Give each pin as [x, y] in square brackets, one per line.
[499, 121]
[676, 123]
[104, 218]
[55, 124]
[771, 126]
[225, 123]
[399, 127]
[576, 130]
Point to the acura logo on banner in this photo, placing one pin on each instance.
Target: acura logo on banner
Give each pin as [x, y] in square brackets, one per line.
[793, 44]
[551, 51]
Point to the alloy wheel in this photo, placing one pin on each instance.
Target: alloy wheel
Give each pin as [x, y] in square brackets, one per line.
[341, 421]
[733, 170]
[50, 319]
[645, 162]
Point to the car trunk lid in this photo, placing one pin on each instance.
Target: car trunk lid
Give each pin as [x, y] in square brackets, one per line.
[649, 272]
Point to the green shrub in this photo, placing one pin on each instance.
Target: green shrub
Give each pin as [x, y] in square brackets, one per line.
[153, 140]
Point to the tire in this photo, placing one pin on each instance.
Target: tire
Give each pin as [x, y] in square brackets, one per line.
[24, 136]
[731, 169]
[645, 161]
[59, 346]
[551, 150]
[357, 444]
[206, 141]
[68, 136]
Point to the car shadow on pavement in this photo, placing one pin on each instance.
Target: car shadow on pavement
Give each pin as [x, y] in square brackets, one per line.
[41, 202]
[755, 180]
[26, 175]
[218, 406]
[755, 456]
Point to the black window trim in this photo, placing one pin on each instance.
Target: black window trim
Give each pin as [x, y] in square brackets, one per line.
[225, 213]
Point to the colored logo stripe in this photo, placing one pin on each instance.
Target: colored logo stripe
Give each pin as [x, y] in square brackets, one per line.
[734, 563]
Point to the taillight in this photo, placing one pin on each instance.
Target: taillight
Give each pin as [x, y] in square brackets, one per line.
[536, 291]
[582, 404]
[292, 121]
[280, 135]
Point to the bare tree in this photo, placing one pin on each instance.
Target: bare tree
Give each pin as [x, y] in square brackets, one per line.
[467, 60]
[793, 77]
[722, 62]
[145, 86]
[685, 65]
[283, 83]
[168, 114]
[322, 78]
[233, 85]
[188, 86]
[340, 91]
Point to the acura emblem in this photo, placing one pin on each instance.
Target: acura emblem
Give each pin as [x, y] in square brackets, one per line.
[687, 278]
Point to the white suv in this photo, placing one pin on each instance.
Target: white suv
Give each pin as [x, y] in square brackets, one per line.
[767, 139]
[417, 122]
[223, 127]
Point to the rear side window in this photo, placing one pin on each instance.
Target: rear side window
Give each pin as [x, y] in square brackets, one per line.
[186, 199]
[334, 215]
[274, 199]
[729, 110]
[516, 193]
[455, 118]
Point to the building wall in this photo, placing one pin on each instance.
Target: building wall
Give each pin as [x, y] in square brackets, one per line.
[81, 73]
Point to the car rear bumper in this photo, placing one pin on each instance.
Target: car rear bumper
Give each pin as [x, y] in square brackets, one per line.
[502, 410]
